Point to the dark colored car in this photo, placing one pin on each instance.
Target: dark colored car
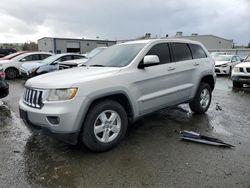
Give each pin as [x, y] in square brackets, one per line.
[4, 52]
[11, 56]
[4, 87]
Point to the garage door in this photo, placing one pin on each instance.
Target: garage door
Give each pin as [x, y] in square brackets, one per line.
[73, 45]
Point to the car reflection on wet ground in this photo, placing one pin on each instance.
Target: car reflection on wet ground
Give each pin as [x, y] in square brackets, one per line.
[152, 154]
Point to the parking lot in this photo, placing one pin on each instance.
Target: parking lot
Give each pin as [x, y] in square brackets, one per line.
[152, 154]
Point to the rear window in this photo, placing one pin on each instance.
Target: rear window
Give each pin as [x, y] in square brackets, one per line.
[181, 52]
[162, 51]
[197, 51]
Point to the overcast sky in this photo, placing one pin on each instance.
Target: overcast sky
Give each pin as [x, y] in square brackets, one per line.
[29, 20]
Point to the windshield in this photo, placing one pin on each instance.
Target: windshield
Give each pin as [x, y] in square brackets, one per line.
[51, 59]
[248, 58]
[223, 58]
[116, 56]
[94, 52]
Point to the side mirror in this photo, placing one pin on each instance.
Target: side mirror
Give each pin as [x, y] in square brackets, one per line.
[150, 60]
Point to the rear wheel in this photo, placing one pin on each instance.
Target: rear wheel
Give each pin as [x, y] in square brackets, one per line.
[105, 126]
[237, 84]
[11, 73]
[202, 99]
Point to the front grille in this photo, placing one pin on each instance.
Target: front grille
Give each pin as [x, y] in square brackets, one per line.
[241, 69]
[248, 70]
[33, 97]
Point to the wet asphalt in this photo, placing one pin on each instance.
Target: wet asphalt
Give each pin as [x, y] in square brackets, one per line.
[151, 155]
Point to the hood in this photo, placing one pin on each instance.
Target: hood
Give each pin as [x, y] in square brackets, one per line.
[244, 64]
[221, 62]
[69, 77]
[31, 66]
[74, 62]
[4, 61]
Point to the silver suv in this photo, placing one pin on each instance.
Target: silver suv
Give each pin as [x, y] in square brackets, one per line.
[95, 103]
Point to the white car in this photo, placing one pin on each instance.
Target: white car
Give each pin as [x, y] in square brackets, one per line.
[241, 73]
[11, 67]
[225, 63]
[80, 62]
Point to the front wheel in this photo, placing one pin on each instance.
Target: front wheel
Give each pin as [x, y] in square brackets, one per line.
[202, 99]
[105, 126]
[11, 73]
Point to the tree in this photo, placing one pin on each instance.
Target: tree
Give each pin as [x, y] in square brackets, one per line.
[30, 46]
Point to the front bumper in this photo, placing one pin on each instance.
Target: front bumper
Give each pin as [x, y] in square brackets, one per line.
[60, 119]
[241, 79]
[4, 89]
[222, 70]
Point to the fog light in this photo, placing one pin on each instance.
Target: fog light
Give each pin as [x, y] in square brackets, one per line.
[53, 120]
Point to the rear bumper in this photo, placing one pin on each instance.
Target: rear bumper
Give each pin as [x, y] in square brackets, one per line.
[70, 138]
[4, 89]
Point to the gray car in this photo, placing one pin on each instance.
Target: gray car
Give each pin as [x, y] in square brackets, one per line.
[48, 65]
[95, 103]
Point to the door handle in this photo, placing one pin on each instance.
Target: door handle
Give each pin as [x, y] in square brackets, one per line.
[196, 64]
[171, 68]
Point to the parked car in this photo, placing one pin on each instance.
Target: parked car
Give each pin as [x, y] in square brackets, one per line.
[11, 56]
[225, 63]
[11, 67]
[4, 87]
[79, 62]
[127, 81]
[48, 65]
[4, 52]
[241, 73]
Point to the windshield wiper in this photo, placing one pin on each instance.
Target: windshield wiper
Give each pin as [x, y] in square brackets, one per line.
[96, 65]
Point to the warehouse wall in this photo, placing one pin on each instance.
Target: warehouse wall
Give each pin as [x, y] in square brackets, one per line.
[46, 45]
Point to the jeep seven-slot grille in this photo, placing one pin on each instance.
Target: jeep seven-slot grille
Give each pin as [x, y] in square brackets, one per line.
[33, 97]
[248, 70]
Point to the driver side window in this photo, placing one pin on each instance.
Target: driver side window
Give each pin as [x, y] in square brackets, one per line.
[234, 59]
[162, 51]
[34, 57]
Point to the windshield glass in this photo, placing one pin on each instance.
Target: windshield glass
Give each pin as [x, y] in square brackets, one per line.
[248, 58]
[94, 52]
[51, 59]
[223, 58]
[116, 56]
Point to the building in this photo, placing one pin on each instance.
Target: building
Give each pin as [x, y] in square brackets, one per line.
[64, 45]
[211, 42]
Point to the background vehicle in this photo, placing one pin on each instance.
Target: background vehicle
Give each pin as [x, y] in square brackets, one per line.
[120, 85]
[79, 62]
[11, 56]
[225, 63]
[48, 65]
[241, 73]
[4, 87]
[11, 67]
[4, 52]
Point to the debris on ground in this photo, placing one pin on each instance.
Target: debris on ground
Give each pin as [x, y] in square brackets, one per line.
[197, 137]
[218, 107]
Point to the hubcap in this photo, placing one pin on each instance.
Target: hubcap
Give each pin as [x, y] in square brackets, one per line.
[107, 126]
[204, 98]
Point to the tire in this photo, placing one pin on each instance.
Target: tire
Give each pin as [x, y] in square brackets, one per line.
[237, 84]
[201, 103]
[11, 73]
[108, 134]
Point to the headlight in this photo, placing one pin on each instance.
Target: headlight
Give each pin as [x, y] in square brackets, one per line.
[224, 65]
[61, 94]
[236, 69]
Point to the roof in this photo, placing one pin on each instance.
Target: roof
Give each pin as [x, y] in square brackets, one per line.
[76, 39]
[164, 40]
[196, 36]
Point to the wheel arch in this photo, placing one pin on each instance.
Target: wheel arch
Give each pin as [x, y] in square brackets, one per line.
[209, 79]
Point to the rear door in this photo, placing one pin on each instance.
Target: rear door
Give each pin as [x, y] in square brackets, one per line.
[186, 67]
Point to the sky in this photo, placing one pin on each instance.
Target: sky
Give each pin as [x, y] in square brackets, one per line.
[29, 20]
